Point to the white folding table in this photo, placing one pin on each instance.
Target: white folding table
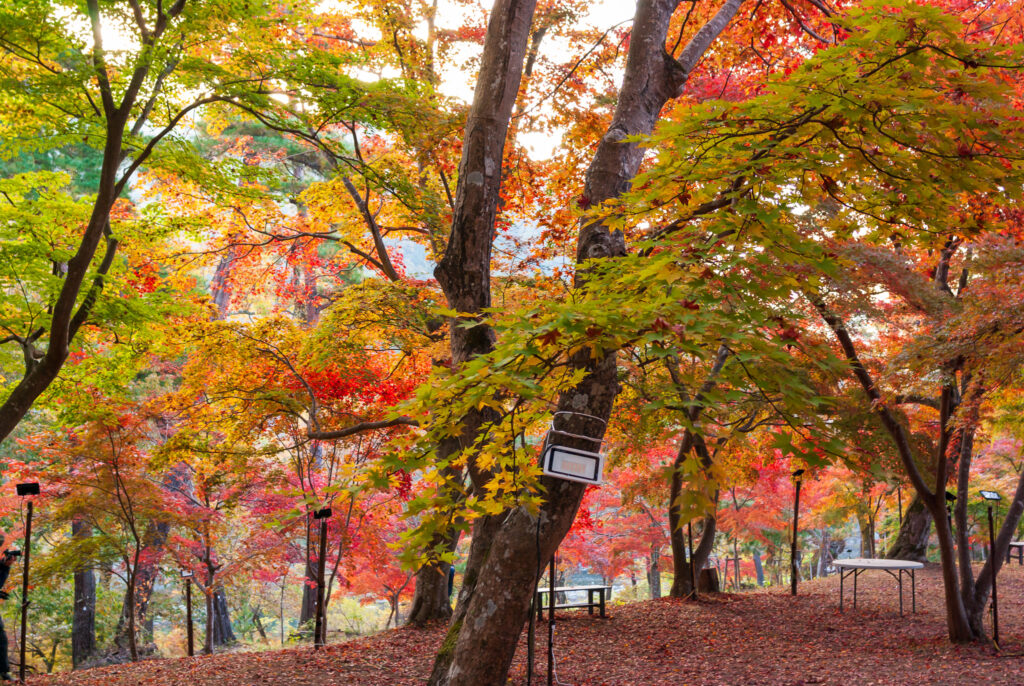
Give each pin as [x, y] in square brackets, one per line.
[894, 568]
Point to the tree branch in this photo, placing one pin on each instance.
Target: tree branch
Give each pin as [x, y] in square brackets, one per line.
[362, 428]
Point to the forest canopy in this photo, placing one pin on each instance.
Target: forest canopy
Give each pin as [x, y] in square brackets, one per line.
[265, 260]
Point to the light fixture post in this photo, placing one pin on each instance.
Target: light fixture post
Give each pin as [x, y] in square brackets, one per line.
[25, 490]
[794, 570]
[991, 497]
[319, 634]
[188, 612]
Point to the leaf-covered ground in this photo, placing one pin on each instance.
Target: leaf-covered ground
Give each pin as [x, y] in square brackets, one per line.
[750, 638]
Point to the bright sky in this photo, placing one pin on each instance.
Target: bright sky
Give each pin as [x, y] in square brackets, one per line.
[456, 82]
[603, 14]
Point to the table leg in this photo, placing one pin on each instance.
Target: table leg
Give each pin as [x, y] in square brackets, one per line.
[590, 602]
[842, 577]
[856, 573]
[913, 590]
[900, 581]
[603, 614]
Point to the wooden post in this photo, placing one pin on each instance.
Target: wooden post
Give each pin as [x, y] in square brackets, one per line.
[551, 622]
[188, 614]
[693, 567]
[24, 593]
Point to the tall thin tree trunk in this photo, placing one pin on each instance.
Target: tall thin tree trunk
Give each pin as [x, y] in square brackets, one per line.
[758, 569]
[208, 638]
[280, 613]
[83, 621]
[957, 622]
[133, 648]
[307, 608]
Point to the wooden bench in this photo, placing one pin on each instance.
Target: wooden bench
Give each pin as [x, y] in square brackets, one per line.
[1015, 548]
[597, 597]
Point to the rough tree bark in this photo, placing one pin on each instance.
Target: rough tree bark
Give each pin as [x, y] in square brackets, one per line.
[430, 600]
[223, 634]
[912, 540]
[83, 620]
[482, 638]
[682, 583]
[654, 571]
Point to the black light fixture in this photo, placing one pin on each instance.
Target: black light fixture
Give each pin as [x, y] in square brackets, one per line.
[794, 571]
[27, 489]
[992, 497]
[319, 630]
[950, 499]
[23, 490]
[187, 574]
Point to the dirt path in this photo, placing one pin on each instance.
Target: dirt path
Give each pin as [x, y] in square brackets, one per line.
[763, 638]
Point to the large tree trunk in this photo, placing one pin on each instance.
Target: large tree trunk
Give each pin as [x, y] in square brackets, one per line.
[682, 585]
[867, 536]
[83, 620]
[654, 572]
[464, 271]
[430, 602]
[912, 540]
[223, 634]
[957, 622]
[496, 604]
